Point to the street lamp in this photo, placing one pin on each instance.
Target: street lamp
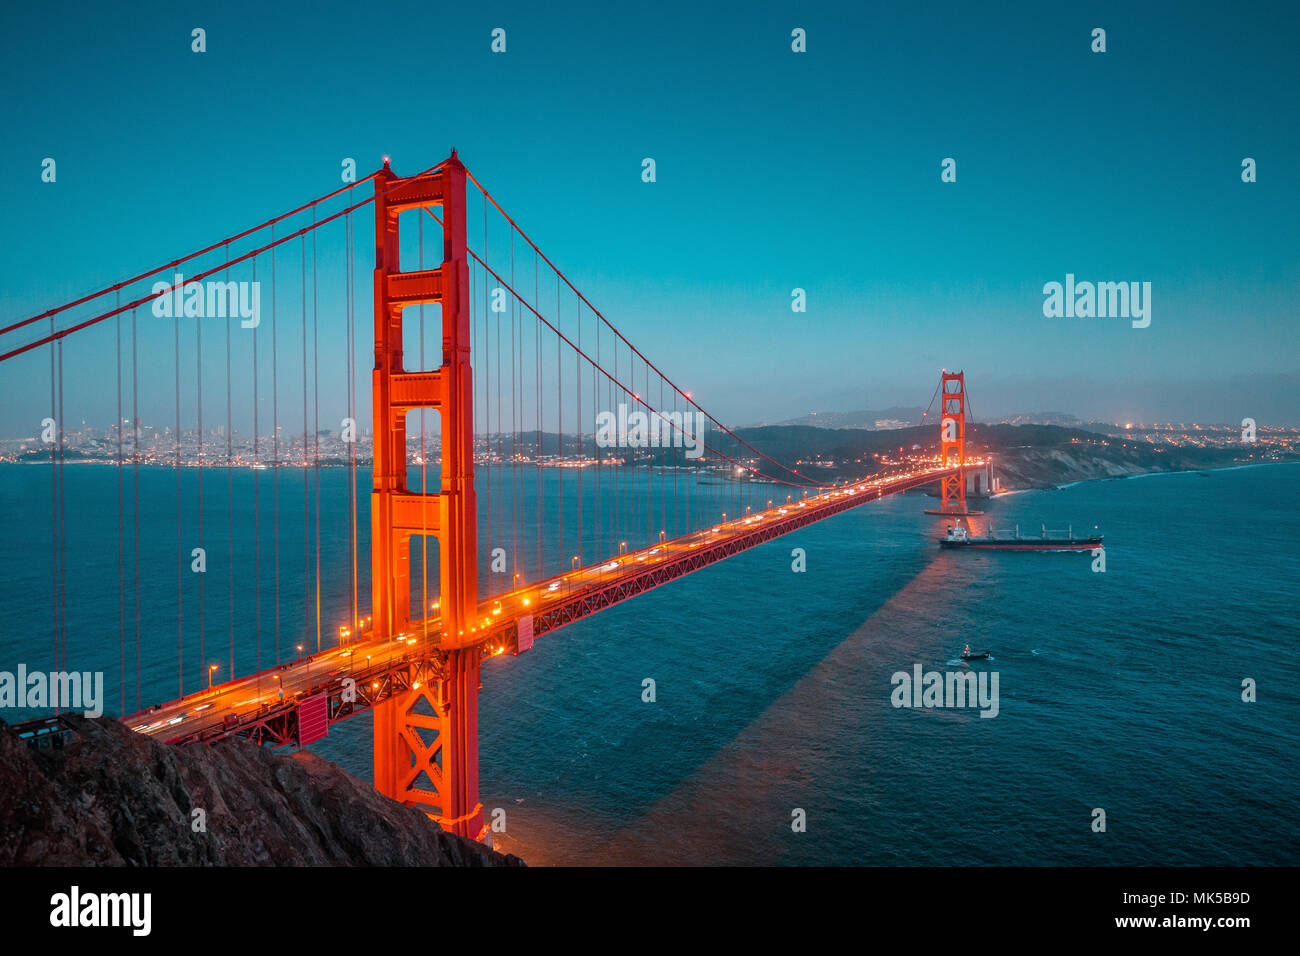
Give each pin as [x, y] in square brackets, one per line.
[211, 668]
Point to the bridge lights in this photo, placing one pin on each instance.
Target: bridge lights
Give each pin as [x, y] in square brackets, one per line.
[211, 668]
[662, 535]
[574, 566]
[622, 547]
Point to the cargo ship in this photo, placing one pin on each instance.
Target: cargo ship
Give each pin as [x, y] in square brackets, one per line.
[959, 537]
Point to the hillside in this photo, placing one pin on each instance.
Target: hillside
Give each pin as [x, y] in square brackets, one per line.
[1025, 456]
[111, 797]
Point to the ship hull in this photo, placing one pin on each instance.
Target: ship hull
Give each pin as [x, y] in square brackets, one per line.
[1073, 544]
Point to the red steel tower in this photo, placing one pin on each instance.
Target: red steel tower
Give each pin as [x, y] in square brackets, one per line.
[426, 738]
[952, 444]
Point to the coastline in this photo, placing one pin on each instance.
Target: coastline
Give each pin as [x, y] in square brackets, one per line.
[1156, 473]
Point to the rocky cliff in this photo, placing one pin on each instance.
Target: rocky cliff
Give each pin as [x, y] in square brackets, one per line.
[111, 797]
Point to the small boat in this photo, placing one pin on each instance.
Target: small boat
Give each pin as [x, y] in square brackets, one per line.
[981, 656]
[959, 537]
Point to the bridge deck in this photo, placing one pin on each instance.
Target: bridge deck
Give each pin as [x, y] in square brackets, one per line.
[263, 706]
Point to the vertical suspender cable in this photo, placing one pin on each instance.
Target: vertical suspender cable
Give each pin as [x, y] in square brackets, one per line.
[487, 385]
[315, 391]
[601, 546]
[577, 420]
[63, 530]
[230, 498]
[559, 426]
[514, 430]
[135, 490]
[180, 553]
[198, 389]
[257, 507]
[275, 450]
[537, 385]
[306, 477]
[121, 531]
[501, 529]
[54, 499]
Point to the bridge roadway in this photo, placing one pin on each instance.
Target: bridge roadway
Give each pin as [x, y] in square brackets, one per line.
[264, 706]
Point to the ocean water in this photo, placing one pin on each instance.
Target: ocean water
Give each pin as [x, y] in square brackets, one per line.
[1118, 691]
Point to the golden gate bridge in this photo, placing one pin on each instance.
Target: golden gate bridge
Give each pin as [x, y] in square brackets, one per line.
[619, 530]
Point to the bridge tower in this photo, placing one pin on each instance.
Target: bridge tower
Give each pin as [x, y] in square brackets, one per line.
[952, 444]
[426, 738]
[952, 439]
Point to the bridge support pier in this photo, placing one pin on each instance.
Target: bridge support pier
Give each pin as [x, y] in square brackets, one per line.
[426, 746]
[426, 738]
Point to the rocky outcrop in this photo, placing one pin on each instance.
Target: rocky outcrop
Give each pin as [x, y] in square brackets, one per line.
[1046, 467]
[111, 797]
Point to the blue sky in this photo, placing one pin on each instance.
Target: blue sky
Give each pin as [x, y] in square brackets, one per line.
[775, 170]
